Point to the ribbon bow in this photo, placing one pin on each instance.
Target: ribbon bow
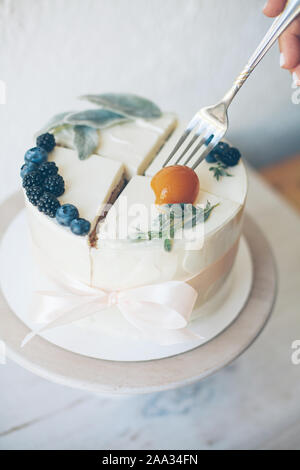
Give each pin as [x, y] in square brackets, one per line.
[160, 311]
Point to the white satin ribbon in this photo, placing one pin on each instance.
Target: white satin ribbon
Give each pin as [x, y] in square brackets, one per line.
[160, 311]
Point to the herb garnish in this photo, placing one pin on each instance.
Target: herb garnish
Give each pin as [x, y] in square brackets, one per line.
[220, 170]
[173, 218]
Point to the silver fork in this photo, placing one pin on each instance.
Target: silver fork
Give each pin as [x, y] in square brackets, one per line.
[210, 124]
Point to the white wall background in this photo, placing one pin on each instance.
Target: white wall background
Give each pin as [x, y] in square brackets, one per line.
[181, 53]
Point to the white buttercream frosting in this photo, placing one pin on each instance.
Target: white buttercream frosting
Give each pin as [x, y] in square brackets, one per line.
[136, 143]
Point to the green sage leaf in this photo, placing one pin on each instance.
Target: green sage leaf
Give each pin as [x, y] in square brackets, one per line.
[86, 141]
[96, 118]
[128, 104]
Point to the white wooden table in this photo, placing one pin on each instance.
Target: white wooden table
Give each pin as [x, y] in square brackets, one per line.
[253, 403]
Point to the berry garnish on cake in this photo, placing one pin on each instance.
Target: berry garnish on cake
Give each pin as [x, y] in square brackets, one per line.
[66, 214]
[43, 186]
[33, 179]
[231, 157]
[224, 156]
[217, 152]
[34, 193]
[46, 141]
[55, 185]
[80, 226]
[48, 204]
[36, 155]
[28, 168]
[48, 169]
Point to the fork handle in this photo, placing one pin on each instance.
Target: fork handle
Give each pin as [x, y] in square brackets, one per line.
[291, 11]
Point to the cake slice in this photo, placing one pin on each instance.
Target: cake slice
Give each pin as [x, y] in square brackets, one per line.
[102, 179]
[136, 143]
[89, 185]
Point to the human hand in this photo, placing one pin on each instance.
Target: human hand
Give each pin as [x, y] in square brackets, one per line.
[289, 42]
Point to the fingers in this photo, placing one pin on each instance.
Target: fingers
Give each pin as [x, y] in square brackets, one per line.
[274, 7]
[289, 44]
[289, 41]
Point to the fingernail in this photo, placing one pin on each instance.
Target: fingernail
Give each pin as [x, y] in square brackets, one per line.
[266, 4]
[282, 59]
[296, 80]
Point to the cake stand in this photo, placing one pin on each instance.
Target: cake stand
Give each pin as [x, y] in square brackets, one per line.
[127, 378]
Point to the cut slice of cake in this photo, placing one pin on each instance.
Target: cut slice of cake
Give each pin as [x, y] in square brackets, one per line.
[103, 180]
[136, 143]
[89, 185]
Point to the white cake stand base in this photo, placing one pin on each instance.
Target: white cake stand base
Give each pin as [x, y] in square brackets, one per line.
[228, 332]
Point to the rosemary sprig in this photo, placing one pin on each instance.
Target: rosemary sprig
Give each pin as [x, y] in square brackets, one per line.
[173, 218]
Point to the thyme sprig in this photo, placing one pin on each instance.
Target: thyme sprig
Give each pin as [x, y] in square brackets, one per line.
[220, 170]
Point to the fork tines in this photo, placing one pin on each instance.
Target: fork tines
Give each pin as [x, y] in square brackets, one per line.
[194, 145]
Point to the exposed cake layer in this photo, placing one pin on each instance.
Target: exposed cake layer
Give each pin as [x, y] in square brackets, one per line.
[136, 143]
[93, 236]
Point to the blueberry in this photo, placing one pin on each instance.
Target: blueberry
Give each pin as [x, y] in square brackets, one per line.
[80, 226]
[66, 213]
[36, 155]
[212, 157]
[28, 168]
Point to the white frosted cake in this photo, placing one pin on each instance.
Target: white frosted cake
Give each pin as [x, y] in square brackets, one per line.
[95, 215]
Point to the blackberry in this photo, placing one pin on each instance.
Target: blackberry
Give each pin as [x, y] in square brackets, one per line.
[48, 169]
[46, 141]
[48, 204]
[231, 157]
[34, 194]
[222, 147]
[216, 153]
[33, 179]
[55, 185]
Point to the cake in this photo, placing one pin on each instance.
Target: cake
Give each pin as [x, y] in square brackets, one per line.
[93, 172]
